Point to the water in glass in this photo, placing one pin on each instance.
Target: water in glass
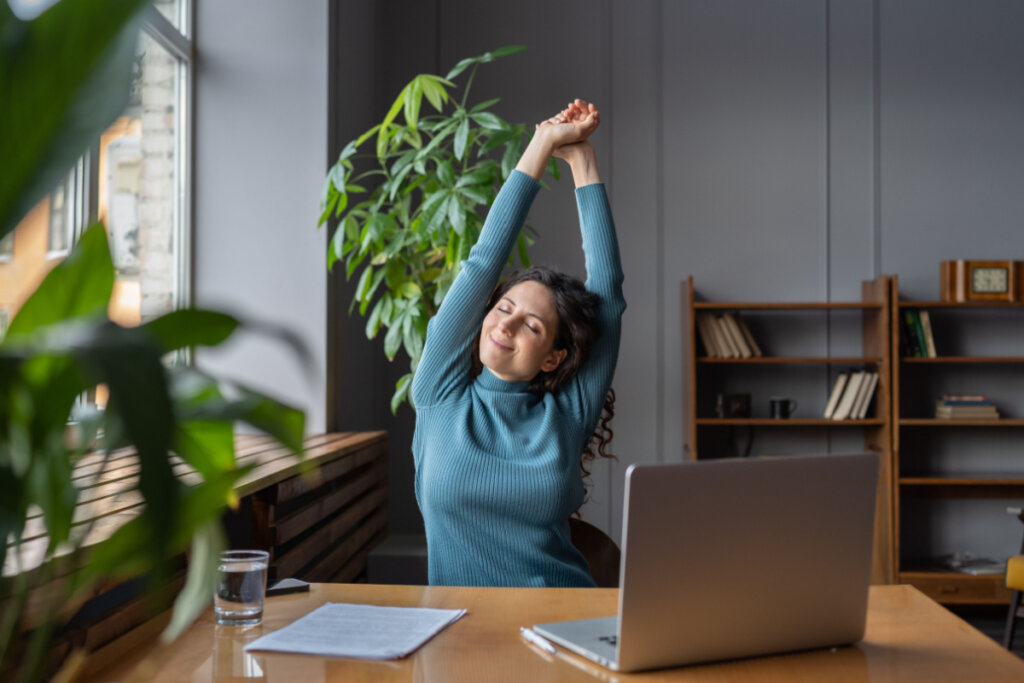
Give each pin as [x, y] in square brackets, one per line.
[241, 583]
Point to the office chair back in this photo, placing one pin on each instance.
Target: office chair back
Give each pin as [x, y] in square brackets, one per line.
[601, 552]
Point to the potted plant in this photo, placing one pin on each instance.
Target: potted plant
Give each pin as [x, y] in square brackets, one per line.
[64, 77]
[433, 175]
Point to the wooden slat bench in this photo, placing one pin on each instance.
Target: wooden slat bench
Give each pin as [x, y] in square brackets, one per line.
[318, 518]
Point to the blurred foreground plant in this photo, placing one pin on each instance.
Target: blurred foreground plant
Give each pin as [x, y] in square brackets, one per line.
[64, 77]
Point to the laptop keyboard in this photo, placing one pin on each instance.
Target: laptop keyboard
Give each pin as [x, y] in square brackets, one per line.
[611, 640]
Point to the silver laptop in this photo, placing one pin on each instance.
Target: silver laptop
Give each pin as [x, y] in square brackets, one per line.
[724, 559]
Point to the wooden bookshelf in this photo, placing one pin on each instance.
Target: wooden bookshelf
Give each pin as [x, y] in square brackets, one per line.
[705, 432]
[912, 433]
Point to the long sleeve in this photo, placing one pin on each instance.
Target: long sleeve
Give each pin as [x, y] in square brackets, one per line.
[445, 363]
[585, 396]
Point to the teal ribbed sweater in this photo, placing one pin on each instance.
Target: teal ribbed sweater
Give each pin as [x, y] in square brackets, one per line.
[497, 467]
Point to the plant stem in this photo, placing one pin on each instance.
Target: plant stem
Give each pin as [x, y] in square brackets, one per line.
[465, 93]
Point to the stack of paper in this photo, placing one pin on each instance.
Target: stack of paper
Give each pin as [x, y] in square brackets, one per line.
[363, 631]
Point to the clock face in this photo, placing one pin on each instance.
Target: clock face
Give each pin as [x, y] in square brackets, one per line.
[989, 280]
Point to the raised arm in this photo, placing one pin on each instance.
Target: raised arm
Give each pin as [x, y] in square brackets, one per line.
[604, 277]
[445, 364]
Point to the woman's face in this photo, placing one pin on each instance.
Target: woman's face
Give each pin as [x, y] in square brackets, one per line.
[518, 335]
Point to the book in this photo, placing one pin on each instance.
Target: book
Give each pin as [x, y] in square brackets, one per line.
[842, 411]
[723, 338]
[859, 398]
[736, 335]
[926, 327]
[869, 394]
[703, 327]
[916, 333]
[751, 342]
[837, 392]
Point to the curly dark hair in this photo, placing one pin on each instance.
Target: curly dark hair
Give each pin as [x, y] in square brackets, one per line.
[578, 330]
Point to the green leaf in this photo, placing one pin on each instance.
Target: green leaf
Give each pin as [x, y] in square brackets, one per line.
[411, 339]
[190, 327]
[461, 135]
[434, 89]
[411, 103]
[364, 282]
[476, 194]
[207, 544]
[373, 322]
[461, 66]
[128, 362]
[485, 105]
[507, 50]
[350, 150]
[489, 120]
[393, 339]
[206, 445]
[481, 176]
[64, 78]
[456, 215]
[511, 156]
[382, 134]
[498, 138]
[79, 286]
[401, 390]
[445, 172]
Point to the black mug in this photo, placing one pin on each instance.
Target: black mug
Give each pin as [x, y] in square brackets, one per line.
[781, 408]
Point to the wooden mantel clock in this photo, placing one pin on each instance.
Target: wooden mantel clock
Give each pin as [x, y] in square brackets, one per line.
[964, 281]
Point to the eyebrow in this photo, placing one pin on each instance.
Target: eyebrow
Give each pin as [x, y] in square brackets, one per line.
[533, 315]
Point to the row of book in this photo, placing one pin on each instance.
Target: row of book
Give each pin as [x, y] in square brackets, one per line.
[726, 336]
[851, 395]
[965, 407]
[916, 337]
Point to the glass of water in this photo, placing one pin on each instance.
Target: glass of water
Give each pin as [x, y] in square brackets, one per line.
[241, 583]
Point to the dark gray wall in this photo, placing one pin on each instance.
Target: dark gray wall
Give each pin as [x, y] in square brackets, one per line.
[776, 150]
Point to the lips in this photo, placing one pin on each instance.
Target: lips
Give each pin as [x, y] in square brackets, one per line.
[501, 346]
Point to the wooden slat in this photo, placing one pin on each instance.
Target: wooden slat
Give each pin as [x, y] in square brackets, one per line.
[289, 527]
[353, 457]
[335, 562]
[296, 558]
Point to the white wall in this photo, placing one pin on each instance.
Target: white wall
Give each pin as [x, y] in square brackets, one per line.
[260, 158]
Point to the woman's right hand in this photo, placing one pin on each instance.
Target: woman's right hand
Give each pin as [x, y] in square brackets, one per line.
[573, 124]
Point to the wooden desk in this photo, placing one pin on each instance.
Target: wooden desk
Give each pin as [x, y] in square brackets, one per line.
[909, 637]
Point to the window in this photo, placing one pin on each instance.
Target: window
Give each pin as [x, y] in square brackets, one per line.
[134, 179]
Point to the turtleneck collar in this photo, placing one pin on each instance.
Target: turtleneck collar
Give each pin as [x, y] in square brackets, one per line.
[491, 382]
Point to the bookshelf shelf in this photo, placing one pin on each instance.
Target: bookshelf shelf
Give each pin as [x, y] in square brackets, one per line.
[963, 359]
[957, 304]
[937, 422]
[973, 479]
[789, 422]
[808, 379]
[924, 495]
[794, 360]
[786, 306]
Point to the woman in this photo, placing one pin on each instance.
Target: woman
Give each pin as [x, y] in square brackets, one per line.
[497, 453]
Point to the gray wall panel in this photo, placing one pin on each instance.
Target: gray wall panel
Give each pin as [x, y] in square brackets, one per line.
[261, 79]
[780, 150]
